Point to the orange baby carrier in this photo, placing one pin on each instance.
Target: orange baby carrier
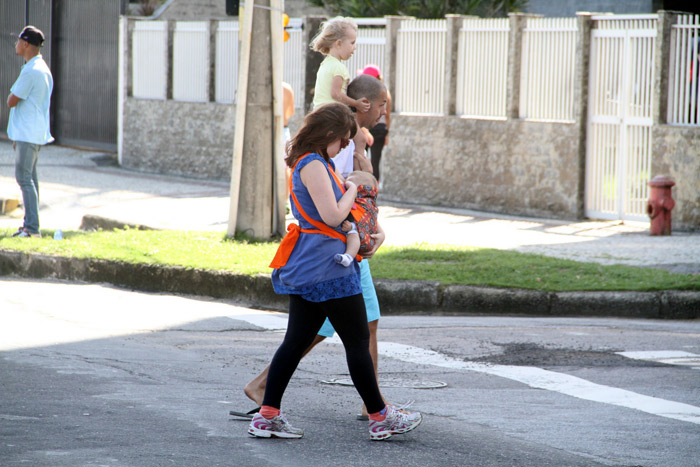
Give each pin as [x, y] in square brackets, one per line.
[293, 230]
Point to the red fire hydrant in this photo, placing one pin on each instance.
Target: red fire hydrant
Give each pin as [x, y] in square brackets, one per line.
[660, 205]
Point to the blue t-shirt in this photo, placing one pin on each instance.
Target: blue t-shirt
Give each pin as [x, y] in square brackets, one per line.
[311, 270]
[29, 119]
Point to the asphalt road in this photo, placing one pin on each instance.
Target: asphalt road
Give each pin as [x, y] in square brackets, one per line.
[92, 375]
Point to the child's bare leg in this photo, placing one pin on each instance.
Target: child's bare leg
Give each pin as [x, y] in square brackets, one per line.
[352, 247]
[255, 389]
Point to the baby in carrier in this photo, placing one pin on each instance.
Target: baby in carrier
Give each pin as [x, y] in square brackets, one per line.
[362, 219]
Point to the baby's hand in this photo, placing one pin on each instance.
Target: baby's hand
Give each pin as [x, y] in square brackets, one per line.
[362, 105]
[346, 226]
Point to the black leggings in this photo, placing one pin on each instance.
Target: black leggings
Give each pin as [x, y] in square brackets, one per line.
[349, 318]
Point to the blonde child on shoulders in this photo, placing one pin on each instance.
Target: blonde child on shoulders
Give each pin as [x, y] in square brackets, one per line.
[336, 40]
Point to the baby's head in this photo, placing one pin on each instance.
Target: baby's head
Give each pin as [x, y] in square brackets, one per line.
[359, 177]
[331, 31]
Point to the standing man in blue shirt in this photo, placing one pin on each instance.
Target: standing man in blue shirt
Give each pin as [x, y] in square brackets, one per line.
[28, 127]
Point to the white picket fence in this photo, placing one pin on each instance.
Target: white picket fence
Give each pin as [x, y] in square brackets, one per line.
[371, 43]
[482, 68]
[420, 67]
[546, 78]
[191, 61]
[226, 74]
[191, 58]
[149, 51]
[684, 93]
[547, 69]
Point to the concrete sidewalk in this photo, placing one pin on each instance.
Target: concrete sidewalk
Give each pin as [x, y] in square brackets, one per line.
[76, 183]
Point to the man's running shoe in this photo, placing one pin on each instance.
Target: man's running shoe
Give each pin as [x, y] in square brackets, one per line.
[395, 423]
[26, 234]
[19, 231]
[277, 427]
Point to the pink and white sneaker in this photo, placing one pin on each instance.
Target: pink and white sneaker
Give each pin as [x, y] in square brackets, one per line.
[395, 423]
[277, 427]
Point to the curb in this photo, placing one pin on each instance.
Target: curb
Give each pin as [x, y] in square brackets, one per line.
[93, 222]
[395, 296]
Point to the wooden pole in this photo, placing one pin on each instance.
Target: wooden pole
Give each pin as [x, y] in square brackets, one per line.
[241, 104]
[279, 179]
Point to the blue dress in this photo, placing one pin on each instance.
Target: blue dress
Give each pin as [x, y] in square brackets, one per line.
[311, 270]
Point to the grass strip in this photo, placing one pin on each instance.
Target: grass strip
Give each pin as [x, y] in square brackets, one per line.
[444, 263]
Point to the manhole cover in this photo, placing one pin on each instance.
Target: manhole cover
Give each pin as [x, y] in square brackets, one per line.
[392, 383]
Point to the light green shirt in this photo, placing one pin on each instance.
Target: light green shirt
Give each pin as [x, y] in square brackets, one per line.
[329, 69]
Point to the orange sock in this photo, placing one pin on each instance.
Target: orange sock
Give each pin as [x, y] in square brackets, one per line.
[269, 412]
[378, 416]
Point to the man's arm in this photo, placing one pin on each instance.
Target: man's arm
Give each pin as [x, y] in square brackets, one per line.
[387, 117]
[360, 161]
[12, 100]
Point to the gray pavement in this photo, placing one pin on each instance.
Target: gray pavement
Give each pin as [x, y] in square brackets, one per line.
[75, 183]
[87, 378]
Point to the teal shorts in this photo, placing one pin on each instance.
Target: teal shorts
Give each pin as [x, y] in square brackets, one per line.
[368, 293]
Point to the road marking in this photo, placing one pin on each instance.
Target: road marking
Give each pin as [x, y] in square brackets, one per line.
[669, 357]
[532, 376]
[550, 380]
[265, 320]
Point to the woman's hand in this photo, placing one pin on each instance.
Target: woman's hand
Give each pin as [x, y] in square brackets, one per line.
[378, 240]
[315, 177]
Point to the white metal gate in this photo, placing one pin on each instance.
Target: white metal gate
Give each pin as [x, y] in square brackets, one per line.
[618, 158]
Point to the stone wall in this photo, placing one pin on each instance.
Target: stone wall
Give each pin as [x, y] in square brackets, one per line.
[676, 153]
[193, 139]
[509, 166]
[178, 138]
[512, 166]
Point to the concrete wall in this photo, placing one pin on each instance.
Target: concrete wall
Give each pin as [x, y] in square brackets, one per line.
[509, 166]
[676, 153]
[179, 138]
[193, 139]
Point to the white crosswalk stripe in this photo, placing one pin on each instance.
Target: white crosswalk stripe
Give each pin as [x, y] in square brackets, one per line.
[669, 357]
[532, 376]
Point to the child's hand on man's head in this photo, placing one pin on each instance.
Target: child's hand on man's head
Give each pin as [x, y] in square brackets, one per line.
[363, 105]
